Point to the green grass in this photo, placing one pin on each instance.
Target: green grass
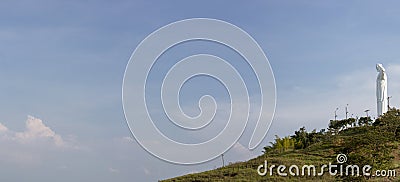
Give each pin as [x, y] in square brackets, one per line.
[247, 171]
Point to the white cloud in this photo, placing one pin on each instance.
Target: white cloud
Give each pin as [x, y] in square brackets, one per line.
[33, 145]
[3, 128]
[36, 132]
[36, 129]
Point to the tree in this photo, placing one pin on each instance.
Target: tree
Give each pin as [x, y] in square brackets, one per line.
[363, 121]
[280, 145]
[300, 138]
[351, 121]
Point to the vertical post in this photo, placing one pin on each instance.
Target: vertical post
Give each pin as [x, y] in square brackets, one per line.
[366, 111]
[335, 113]
[347, 112]
[223, 161]
[389, 102]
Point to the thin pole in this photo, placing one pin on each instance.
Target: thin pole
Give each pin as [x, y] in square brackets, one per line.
[335, 113]
[223, 161]
[389, 102]
[366, 111]
[347, 112]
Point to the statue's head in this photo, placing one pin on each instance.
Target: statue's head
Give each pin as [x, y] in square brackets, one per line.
[380, 68]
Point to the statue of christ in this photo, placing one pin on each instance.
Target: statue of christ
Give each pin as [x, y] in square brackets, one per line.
[381, 90]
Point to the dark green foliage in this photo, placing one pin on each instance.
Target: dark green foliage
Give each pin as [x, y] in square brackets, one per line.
[303, 139]
[336, 125]
[363, 121]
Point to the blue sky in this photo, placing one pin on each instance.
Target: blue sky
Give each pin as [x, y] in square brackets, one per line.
[62, 62]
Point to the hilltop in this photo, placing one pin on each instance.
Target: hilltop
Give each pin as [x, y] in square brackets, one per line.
[359, 141]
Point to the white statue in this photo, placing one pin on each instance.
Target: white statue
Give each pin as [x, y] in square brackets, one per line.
[381, 90]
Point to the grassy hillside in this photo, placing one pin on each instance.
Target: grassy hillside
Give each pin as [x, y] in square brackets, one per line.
[363, 141]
